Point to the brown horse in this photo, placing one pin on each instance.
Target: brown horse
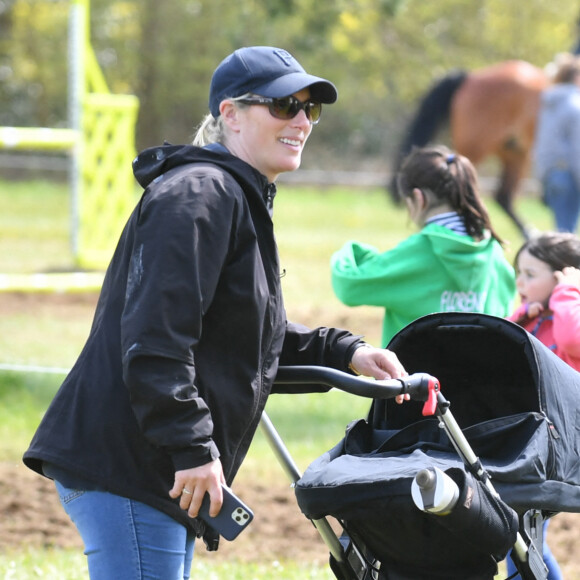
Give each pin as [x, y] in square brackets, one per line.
[491, 112]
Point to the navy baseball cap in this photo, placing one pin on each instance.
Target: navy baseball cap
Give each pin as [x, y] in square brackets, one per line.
[266, 71]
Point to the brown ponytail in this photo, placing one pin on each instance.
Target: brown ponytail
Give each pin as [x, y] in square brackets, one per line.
[451, 179]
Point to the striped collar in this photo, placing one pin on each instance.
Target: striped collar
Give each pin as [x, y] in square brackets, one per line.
[450, 220]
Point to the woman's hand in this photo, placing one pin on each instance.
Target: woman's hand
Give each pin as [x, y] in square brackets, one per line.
[379, 363]
[192, 484]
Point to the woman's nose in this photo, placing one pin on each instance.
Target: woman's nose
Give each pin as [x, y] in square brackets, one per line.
[301, 120]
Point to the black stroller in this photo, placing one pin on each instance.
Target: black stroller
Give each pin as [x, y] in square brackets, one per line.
[508, 451]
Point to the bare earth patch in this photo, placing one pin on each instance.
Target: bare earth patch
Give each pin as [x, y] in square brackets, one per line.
[32, 515]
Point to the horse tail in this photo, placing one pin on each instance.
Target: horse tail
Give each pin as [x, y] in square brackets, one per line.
[432, 114]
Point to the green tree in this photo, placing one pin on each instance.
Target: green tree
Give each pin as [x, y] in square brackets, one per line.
[33, 61]
[382, 54]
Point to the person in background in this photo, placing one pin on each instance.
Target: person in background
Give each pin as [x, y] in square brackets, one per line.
[548, 282]
[556, 152]
[455, 262]
[190, 328]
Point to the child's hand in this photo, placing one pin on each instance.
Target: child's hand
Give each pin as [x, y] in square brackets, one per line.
[534, 309]
[568, 275]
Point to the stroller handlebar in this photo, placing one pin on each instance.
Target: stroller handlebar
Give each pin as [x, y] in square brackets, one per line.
[419, 386]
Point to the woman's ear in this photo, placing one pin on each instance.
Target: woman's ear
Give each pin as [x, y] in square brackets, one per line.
[230, 114]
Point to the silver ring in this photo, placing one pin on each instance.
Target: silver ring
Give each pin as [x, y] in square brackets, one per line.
[186, 491]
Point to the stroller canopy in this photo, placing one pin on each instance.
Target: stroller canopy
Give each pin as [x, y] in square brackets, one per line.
[517, 403]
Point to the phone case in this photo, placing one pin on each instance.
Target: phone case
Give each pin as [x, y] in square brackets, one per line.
[233, 518]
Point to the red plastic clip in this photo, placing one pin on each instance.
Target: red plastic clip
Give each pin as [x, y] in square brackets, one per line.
[431, 403]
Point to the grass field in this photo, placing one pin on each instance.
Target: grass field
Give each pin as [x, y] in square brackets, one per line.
[310, 224]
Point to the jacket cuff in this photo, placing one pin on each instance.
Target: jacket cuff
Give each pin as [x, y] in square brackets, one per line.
[350, 353]
[195, 457]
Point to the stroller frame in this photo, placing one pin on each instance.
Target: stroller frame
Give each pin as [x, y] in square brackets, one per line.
[348, 556]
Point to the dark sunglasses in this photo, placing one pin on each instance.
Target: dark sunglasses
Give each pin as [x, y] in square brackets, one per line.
[287, 107]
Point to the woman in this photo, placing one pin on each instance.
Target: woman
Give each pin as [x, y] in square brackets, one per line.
[454, 263]
[162, 404]
[557, 144]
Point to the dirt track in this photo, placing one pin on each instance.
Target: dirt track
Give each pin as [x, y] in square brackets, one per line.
[33, 517]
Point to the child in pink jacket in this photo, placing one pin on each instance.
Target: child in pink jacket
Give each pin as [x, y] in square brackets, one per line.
[548, 282]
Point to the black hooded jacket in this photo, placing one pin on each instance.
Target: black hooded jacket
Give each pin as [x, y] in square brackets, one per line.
[187, 336]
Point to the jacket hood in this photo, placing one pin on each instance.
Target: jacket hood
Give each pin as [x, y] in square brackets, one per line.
[461, 257]
[152, 163]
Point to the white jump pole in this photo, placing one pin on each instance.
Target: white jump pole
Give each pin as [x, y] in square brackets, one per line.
[77, 46]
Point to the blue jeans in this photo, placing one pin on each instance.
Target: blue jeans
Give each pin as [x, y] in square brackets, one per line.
[554, 572]
[128, 539]
[562, 196]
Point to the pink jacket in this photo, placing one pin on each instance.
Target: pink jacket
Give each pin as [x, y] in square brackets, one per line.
[560, 329]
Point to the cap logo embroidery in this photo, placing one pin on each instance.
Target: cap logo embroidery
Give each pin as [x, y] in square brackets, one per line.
[284, 56]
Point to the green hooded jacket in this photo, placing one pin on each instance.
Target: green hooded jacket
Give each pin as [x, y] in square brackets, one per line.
[434, 270]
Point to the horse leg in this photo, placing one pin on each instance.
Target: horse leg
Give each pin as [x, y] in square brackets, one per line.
[505, 194]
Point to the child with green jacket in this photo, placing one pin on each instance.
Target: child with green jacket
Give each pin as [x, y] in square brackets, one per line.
[455, 263]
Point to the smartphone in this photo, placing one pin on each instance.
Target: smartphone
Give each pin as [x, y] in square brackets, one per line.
[233, 518]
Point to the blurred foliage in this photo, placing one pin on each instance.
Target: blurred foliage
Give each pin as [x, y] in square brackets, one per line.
[382, 54]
